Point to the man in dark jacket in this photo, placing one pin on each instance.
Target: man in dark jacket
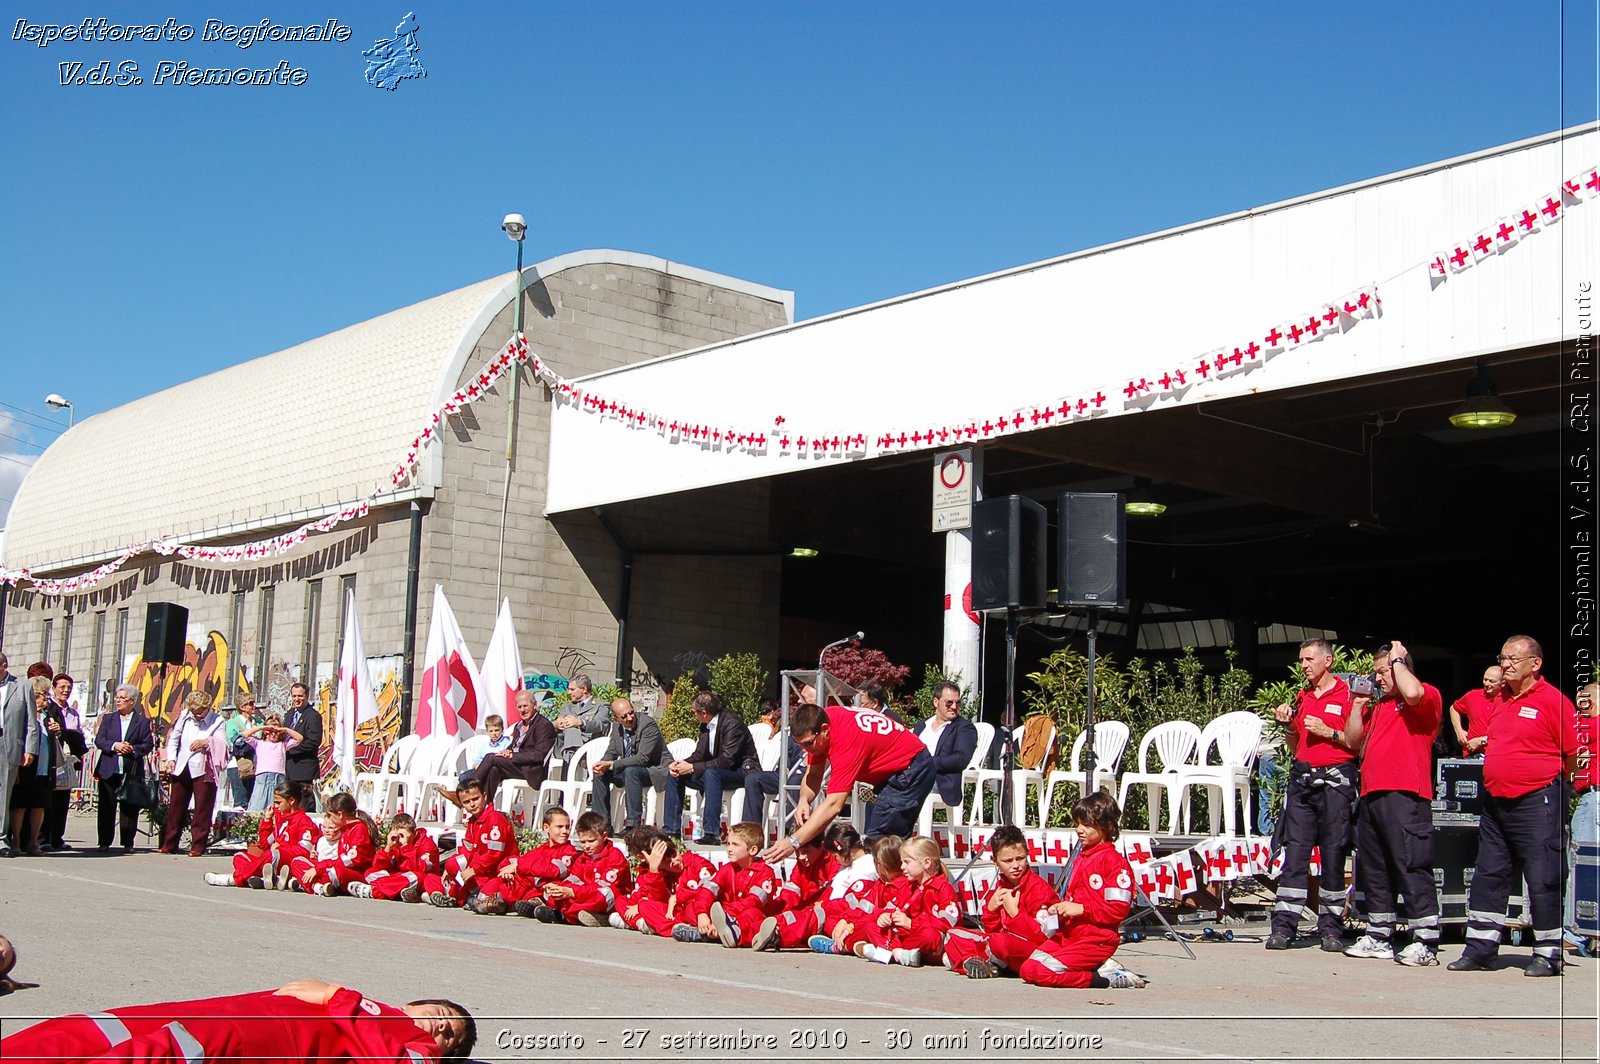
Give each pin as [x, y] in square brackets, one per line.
[304, 759]
[526, 758]
[951, 739]
[723, 755]
[636, 757]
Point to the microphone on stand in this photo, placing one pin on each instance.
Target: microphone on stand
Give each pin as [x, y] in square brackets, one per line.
[855, 637]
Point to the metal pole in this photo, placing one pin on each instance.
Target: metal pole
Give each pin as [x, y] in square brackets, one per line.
[413, 574]
[1088, 718]
[511, 426]
[1008, 751]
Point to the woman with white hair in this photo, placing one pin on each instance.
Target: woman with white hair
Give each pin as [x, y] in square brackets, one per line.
[195, 755]
[124, 740]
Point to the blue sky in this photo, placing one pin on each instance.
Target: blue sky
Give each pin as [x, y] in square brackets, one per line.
[848, 151]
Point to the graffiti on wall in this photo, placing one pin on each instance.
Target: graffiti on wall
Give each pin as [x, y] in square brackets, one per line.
[374, 737]
[207, 670]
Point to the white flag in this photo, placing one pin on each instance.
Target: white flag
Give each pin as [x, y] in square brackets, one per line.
[354, 702]
[502, 668]
[452, 694]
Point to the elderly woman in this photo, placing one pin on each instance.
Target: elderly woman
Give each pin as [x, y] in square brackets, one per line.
[35, 781]
[67, 726]
[196, 753]
[124, 740]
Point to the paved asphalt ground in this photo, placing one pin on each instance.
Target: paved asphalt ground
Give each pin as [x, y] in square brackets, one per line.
[97, 931]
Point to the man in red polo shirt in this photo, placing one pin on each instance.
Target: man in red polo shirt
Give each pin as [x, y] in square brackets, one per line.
[1533, 742]
[1395, 834]
[1316, 808]
[1469, 714]
[862, 746]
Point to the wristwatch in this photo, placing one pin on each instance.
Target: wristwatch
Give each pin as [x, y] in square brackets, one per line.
[792, 843]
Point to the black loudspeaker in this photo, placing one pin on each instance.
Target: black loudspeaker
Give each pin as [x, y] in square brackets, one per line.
[1008, 553]
[166, 625]
[1091, 552]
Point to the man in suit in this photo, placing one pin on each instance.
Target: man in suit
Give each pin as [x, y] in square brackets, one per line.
[585, 718]
[723, 755]
[636, 755]
[305, 757]
[531, 740]
[951, 739]
[18, 742]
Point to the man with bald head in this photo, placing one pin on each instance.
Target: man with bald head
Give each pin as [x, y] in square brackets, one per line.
[1533, 745]
[531, 739]
[1469, 714]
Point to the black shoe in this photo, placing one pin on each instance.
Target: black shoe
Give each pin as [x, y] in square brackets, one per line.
[1278, 941]
[1332, 944]
[1541, 966]
[547, 915]
[526, 908]
[707, 840]
[1466, 964]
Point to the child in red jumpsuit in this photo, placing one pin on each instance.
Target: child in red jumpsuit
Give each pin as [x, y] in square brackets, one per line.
[489, 841]
[914, 924]
[674, 886]
[746, 892]
[845, 922]
[1017, 906]
[1099, 896]
[307, 1022]
[598, 877]
[286, 833]
[853, 870]
[409, 855]
[352, 858]
[521, 882]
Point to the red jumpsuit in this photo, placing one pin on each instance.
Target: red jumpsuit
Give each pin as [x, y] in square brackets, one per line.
[1004, 935]
[808, 882]
[395, 870]
[281, 840]
[546, 863]
[851, 895]
[597, 882]
[1102, 882]
[748, 895]
[864, 920]
[262, 1028]
[690, 894]
[349, 864]
[934, 910]
[489, 842]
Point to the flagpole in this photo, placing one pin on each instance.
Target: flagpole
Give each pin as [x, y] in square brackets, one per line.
[516, 227]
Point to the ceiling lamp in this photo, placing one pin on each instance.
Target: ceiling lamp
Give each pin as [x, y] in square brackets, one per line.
[803, 552]
[1483, 408]
[1142, 502]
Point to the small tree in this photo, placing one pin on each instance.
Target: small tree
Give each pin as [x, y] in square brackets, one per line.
[737, 679]
[856, 665]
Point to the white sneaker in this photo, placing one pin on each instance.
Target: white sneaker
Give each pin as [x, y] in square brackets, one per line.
[1374, 948]
[616, 921]
[1417, 955]
[874, 953]
[589, 919]
[359, 890]
[911, 958]
[1122, 979]
[219, 879]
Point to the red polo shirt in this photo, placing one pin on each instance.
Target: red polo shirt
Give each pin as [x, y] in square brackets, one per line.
[1477, 707]
[1399, 750]
[867, 746]
[1332, 707]
[1530, 737]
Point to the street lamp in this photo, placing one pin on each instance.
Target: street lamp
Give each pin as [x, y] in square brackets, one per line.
[56, 402]
[515, 227]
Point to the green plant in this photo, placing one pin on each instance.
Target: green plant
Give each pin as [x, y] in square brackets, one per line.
[677, 720]
[740, 682]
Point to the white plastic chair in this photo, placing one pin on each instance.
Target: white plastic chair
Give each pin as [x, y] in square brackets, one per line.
[1235, 738]
[1175, 745]
[1110, 740]
[954, 814]
[519, 792]
[655, 807]
[403, 790]
[395, 761]
[1020, 780]
[572, 793]
[448, 776]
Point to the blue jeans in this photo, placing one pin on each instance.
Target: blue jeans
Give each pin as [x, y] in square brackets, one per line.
[261, 795]
[635, 778]
[1585, 832]
[237, 795]
[712, 782]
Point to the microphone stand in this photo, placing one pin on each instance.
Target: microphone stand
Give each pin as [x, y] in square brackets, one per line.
[783, 745]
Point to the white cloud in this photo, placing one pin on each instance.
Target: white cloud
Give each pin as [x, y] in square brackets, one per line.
[15, 460]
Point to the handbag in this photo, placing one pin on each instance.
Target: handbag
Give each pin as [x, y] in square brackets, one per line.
[136, 788]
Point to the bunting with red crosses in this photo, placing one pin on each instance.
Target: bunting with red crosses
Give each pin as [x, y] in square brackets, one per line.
[1506, 233]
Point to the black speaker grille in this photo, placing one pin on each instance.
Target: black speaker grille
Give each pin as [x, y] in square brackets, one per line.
[1091, 549]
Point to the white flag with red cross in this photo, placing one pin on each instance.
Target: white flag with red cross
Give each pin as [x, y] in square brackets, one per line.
[354, 701]
[502, 669]
[452, 694]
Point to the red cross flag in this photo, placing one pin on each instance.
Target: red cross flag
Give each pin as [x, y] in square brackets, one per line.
[354, 703]
[1505, 233]
[1483, 245]
[502, 669]
[451, 690]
